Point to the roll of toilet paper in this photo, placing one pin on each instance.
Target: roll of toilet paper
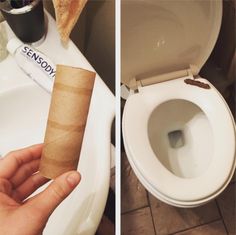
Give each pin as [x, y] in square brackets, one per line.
[67, 120]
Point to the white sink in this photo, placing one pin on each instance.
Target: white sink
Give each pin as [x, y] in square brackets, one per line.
[23, 117]
[23, 114]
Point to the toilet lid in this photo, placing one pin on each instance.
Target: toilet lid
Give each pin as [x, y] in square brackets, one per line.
[150, 169]
[159, 37]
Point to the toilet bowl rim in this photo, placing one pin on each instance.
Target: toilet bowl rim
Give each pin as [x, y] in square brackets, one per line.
[173, 201]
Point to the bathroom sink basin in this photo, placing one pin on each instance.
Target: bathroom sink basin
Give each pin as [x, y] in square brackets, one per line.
[24, 109]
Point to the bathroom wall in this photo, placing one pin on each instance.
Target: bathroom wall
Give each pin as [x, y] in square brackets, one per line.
[220, 67]
[100, 39]
[1, 17]
[94, 34]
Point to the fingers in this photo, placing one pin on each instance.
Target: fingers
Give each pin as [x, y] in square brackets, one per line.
[5, 192]
[29, 186]
[24, 172]
[5, 186]
[47, 201]
[6, 201]
[15, 159]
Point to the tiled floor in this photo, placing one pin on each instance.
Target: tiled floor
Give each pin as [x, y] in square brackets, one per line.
[144, 214]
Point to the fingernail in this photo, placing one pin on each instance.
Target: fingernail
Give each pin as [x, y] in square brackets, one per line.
[73, 179]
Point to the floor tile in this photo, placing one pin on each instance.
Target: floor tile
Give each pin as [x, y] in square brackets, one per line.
[215, 228]
[133, 194]
[138, 222]
[106, 227]
[233, 178]
[169, 219]
[227, 205]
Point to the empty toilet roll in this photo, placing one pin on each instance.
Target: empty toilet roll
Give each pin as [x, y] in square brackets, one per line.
[66, 120]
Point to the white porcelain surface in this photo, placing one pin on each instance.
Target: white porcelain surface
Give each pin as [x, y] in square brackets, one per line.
[23, 114]
[205, 180]
[181, 137]
[165, 36]
[23, 118]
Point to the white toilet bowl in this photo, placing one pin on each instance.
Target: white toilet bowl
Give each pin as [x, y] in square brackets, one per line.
[179, 150]
[179, 138]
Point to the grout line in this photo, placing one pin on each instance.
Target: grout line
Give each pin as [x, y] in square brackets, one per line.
[187, 229]
[221, 216]
[147, 194]
[133, 210]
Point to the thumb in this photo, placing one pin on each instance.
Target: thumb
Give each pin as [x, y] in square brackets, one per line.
[47, 201]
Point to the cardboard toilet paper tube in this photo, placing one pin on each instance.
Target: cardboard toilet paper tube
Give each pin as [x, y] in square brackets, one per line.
[66, 121]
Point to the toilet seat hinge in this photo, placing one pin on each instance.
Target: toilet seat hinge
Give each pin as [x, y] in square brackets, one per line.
[135, 83]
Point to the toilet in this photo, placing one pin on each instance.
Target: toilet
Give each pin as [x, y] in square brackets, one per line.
[178, 132]
[24, 110]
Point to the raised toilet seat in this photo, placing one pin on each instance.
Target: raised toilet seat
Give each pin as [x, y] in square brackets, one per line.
[180, 189]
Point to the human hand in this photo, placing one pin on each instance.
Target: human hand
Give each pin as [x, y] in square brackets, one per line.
[18, 180]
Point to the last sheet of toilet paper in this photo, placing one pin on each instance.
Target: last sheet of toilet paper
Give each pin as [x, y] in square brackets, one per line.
[67, 13]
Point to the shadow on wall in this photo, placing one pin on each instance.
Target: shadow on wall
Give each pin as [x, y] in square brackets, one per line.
[220, 68]
[1, 17]
[94, 35]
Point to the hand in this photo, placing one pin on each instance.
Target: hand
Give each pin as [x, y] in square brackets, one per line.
[18, 180]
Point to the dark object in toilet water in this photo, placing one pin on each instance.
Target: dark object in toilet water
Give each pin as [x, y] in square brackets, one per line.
[197, 83]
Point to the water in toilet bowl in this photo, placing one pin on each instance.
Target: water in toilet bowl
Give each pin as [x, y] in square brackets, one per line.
[181, 137]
